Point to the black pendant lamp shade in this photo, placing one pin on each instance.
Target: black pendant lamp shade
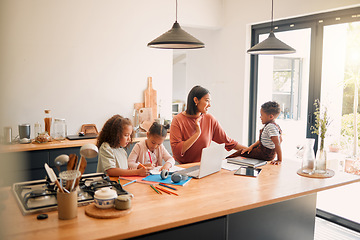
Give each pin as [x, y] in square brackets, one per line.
[176, 38]
[271, 45]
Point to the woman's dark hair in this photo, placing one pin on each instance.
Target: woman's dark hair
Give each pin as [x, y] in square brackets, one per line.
[112, 131]
[271, 107]
[197, 92]
[158, 129]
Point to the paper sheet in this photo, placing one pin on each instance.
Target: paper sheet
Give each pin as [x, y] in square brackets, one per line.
[156, 170]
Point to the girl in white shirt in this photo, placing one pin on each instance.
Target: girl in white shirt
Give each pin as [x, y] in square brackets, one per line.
[113, 138]
[151, 151]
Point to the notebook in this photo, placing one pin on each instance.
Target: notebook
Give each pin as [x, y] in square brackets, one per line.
[211, 159]
[250, 162]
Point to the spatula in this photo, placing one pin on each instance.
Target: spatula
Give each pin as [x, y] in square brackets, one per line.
[50, 172]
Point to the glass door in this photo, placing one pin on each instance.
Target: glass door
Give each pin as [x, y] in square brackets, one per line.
[339, 94]
[285, 79]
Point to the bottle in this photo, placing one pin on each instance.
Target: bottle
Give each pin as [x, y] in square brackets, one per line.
[308, 159]
[59, 129]
[47, 120]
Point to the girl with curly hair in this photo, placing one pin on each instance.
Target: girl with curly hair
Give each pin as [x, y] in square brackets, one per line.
[113, 138]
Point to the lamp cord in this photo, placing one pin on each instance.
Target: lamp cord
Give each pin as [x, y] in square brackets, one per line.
[272, 14]
[176, 11]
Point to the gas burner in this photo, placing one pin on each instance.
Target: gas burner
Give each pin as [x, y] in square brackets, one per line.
[40, 195]
[93, 186]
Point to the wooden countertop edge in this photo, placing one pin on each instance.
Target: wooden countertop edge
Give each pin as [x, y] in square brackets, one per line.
[221, 213]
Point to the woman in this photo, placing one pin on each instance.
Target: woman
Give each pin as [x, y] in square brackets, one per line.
[194, 129]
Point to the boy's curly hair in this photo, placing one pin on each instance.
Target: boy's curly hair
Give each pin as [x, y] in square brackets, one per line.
[271, 107]
[112, 131]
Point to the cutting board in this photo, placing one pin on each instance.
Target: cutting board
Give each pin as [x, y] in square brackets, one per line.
[145, 114]
[150, 97]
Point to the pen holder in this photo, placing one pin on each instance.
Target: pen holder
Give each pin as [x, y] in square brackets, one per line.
[67, 205]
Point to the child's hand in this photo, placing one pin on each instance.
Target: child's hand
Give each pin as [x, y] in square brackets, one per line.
[248, 150]
[276, 162]
[142, 172]
[166, 166]
[149, 165]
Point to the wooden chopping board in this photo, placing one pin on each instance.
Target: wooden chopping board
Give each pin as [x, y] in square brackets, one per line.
[150, 96]
[92, 211]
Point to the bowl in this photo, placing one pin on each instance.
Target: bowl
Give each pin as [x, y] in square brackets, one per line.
[105, 198]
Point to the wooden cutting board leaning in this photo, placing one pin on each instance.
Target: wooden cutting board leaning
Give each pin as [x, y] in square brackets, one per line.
[150, 97]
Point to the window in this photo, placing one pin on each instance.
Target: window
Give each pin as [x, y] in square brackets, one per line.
[326, 66]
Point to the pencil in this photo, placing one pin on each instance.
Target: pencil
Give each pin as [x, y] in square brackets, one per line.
[162, 190]
[161, 184]
[167, 191]
[155, 189]
[142, 166]
[129, 182]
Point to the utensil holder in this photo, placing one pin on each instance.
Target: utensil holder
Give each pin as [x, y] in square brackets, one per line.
[67, 205]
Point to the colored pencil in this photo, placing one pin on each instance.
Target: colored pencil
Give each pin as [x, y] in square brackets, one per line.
[149, 156]
[162, 190]
[142, 166]
[161, 184]
[155, 189]
[137, 180]
[167, 191]
[129, 182]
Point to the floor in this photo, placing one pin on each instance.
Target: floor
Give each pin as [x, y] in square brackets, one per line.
[325, 230]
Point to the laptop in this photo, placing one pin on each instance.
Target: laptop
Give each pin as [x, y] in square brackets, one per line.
[211, 159]
[250, 162]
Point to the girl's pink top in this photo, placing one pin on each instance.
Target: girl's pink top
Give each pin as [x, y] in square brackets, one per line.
[183, 127]
[141, 154]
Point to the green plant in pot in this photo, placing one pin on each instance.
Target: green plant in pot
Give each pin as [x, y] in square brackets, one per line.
[322, 121]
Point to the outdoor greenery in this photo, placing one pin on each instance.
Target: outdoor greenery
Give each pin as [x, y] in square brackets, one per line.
[347, 129]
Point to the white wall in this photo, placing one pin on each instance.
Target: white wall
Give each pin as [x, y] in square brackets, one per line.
[86, 59]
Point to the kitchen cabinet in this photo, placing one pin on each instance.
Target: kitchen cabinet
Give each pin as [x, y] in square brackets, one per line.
[29, 164]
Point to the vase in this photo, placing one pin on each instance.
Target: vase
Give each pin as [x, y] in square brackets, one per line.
[308, 158]
[320, 160]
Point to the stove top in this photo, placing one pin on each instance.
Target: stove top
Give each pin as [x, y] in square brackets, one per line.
[40, 195]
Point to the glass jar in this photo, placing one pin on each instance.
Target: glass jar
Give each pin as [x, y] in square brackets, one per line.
[59, 129]
[308, 159]
[37, 129]
[47, 120]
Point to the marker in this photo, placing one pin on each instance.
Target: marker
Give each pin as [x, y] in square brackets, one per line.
[129, 182]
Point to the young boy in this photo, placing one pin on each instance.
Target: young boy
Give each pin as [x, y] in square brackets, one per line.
[270, 139]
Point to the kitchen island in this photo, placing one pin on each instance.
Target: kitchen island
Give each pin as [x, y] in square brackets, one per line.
[278, 204]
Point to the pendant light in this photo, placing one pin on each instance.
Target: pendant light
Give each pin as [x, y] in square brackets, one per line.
[271, 45]
[176, 38]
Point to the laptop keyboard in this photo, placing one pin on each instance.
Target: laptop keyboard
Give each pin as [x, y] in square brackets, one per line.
[194, 173]
[190, 169]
